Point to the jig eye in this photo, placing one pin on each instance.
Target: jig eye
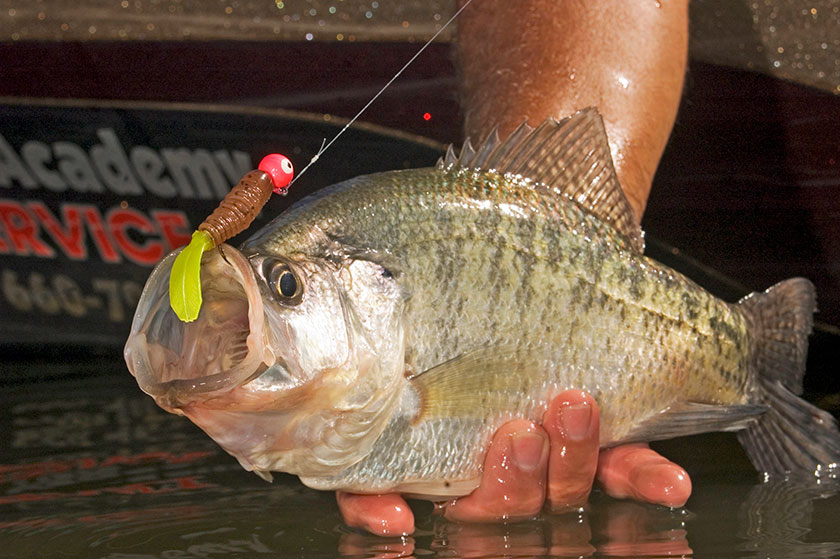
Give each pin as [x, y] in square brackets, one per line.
[281, 170]
[283, 281]
[286, 165]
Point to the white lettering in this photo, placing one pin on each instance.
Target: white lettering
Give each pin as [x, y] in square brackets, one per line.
[74, 165]
[189, 173]
[150, 167]
[37, 155]
[192, 170]
[11, 167]
[235, 167]
[111, 162]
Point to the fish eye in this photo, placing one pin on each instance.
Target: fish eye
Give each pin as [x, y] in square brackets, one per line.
[282, 280]
[288, 284]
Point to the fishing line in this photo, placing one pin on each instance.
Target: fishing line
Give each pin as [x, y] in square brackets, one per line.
[375, 97]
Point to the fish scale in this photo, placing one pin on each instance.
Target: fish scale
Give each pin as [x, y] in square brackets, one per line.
[433, 305]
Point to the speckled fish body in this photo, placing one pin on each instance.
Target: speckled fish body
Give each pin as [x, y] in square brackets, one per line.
[433, 305]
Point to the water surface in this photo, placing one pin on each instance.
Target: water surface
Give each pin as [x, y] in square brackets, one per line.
[90, 467]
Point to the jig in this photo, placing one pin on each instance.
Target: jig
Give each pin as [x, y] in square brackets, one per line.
[233, 215]
[244, 202]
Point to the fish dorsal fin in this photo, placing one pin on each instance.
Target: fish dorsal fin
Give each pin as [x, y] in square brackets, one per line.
[570, 157]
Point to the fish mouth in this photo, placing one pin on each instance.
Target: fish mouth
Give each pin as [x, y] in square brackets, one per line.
[178, 363]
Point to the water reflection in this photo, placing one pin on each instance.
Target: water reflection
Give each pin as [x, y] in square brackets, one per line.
[169, 493]
[286, 520]
[776, 518]
[615, 529]
[773, 520]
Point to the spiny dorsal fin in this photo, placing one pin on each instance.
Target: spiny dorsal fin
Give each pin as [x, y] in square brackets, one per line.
[571, 157]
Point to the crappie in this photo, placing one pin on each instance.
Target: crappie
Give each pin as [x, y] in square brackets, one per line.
[373, 337]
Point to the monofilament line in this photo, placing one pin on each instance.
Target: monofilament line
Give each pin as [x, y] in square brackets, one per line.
[375, 97]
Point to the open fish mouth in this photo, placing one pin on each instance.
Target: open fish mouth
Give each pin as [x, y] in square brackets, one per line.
[178, 363]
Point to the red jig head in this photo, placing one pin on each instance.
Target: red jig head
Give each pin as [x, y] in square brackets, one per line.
[281, 171]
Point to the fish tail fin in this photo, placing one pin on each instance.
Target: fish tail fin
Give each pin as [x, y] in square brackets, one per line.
[792, 438]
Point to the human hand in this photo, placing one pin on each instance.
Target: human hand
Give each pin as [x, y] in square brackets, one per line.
[528, 466]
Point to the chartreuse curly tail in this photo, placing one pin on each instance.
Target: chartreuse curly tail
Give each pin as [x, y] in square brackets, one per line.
[185, 277]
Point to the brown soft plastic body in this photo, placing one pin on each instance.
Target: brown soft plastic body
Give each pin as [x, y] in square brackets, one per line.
[239, 207]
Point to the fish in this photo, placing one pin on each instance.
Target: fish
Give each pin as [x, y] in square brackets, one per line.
[375, 335]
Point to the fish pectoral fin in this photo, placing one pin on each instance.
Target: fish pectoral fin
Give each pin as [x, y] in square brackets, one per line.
[693, 418]
[477, 382]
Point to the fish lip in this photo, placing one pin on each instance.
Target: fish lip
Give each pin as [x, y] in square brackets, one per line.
[153, 310]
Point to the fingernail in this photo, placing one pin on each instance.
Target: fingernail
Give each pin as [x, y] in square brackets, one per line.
[663, 484]
[527, 450]
[576, 420]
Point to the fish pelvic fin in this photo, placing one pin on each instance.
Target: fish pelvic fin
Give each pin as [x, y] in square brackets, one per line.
[792, 439]
[569, 157]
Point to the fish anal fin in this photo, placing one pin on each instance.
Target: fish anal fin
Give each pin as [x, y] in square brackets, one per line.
[692, 418]
[570, 157]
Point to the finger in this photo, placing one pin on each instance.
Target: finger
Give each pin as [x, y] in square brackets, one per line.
[572, 423]
[638, 472]
[383, 515]
[513, 481]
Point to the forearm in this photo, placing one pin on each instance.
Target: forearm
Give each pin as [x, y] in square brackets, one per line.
[533, 59]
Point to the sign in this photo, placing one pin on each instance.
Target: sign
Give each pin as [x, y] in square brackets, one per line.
[93, 196]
